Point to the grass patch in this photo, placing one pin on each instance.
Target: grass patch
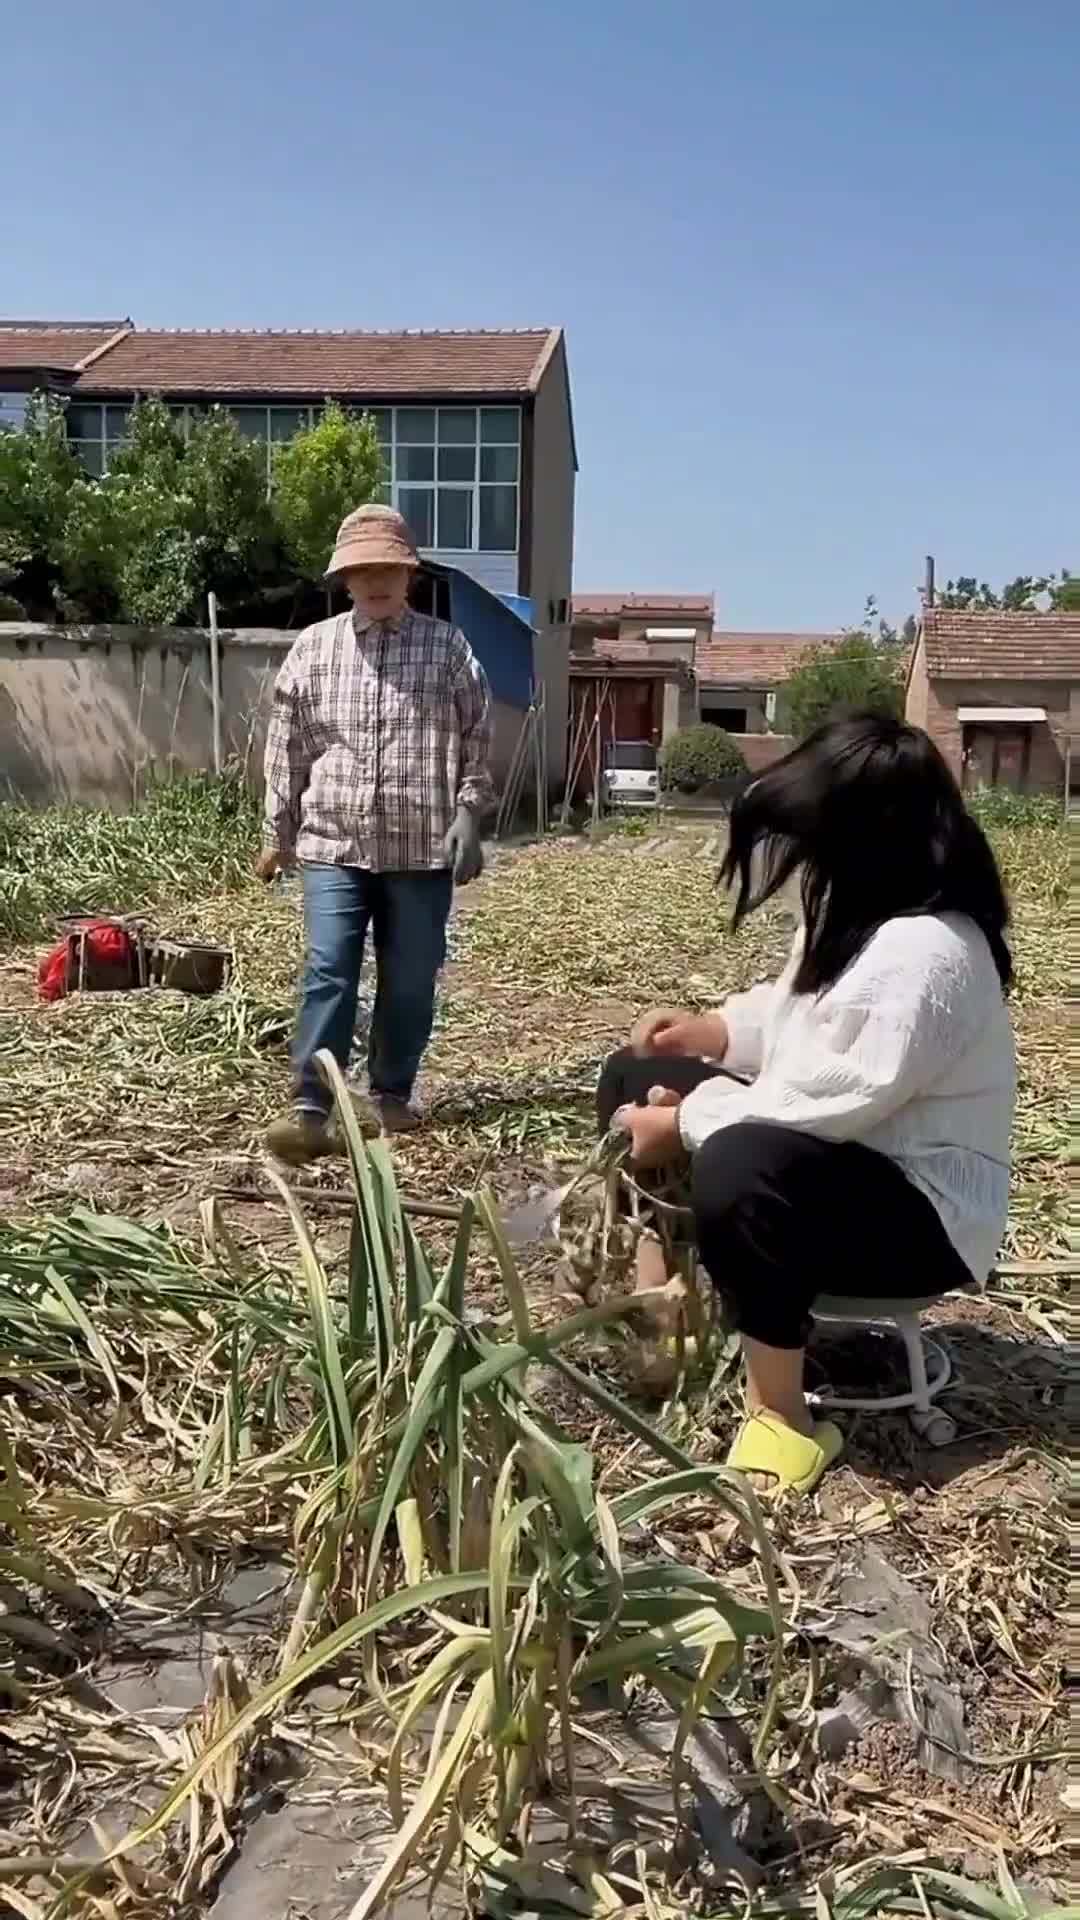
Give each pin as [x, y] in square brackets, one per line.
[190, 836]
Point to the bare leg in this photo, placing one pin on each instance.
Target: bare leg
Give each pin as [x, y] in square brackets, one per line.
[650, 1267]
[774, 1384]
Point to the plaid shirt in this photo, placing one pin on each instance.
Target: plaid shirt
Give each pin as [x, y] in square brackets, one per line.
[380, 730]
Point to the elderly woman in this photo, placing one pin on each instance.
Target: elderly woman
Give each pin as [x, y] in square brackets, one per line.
[848, 1125]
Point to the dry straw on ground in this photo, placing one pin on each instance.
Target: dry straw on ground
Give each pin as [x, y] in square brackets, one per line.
[183, 1405]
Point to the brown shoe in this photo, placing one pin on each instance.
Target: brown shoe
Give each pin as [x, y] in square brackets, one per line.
[397, 1116]
[300, 1138]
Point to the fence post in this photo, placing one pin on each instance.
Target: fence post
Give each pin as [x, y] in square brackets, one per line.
[215, 678]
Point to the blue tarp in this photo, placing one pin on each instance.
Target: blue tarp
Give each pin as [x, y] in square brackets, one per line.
[518, 604]
[499, 634]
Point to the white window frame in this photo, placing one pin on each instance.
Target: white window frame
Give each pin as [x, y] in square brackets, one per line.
[186, 410]
[473, 486]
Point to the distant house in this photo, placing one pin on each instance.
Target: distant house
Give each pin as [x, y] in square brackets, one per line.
[636, 652]
[654, 662]
[476, 429]
[1000, 694]
[739, 675]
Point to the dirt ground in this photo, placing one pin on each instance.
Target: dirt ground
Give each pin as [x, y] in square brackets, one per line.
[146, 1104]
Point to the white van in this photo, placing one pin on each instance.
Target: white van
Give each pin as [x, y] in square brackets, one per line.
[631, 775]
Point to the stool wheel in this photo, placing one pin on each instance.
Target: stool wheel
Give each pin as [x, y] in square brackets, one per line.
[936, 1427]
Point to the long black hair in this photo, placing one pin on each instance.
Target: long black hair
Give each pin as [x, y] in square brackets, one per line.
[869, 813]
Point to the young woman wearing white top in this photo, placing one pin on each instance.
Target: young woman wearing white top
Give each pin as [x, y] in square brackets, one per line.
[848, 1124]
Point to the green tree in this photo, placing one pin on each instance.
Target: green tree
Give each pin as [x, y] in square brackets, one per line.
[1065, 592]
[37, 473]
[1021, 595]
[226, 508]
[319, 477]
[168, 522]
[856, 672]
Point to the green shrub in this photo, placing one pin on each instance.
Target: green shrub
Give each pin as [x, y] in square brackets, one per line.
[700, 756]
[1001, 807]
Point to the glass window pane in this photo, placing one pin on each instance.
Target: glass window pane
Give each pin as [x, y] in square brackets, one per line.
[458, 463]
[12, 409]
[500, 426]
[384, 422]
[287, 421]
[418, 506]
[116, 419]
[498, 463]
[416, 463]
[89, 454]
[457, 426]
[455, 517]
[498, 519]
[84, 422]
[250, 420]
[416, 426]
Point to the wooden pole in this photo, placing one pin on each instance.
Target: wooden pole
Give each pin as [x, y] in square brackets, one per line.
[540, 761]
[585, 732]
[577, 728]
[598, 762]
[510, 790]
[215, 678]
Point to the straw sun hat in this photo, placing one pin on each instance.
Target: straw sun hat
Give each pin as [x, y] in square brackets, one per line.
[373, 536]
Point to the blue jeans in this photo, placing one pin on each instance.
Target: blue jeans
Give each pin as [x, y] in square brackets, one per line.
[407, 914]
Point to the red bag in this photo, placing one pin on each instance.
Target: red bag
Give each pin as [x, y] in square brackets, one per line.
[109, 961]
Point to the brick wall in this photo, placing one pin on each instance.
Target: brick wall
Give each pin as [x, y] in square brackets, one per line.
[761, 750]
[1046, 771]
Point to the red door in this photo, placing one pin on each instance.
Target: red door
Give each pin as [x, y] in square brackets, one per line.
[635, 716]
[997, 756]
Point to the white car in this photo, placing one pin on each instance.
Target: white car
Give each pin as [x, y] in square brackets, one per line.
[631, 777]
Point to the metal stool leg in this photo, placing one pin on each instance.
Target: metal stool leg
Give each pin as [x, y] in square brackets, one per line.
[931, 1423]
[929, 1372]
[911, 1333]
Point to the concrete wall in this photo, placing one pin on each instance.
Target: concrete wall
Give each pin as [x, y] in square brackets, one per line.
[917, 702]
[634, 627]
[933, 704]
[750, 699]
[674, 709]
[89, 713]
[552, 555]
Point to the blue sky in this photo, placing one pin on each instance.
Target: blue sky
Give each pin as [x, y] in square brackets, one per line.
[816, 259]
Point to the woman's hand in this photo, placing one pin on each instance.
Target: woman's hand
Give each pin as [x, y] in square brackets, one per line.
[270, 863]
[653, 1130]
[665, 1032]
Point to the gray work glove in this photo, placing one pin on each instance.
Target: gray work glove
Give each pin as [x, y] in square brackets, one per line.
[461, 848]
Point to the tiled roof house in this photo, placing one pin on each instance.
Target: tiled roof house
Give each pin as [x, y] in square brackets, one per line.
[1000, 693]
[476, 428]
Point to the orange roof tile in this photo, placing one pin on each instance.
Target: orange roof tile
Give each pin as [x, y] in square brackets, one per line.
[27, 346]
[380, 365]
[754, 659]
[975, 645]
